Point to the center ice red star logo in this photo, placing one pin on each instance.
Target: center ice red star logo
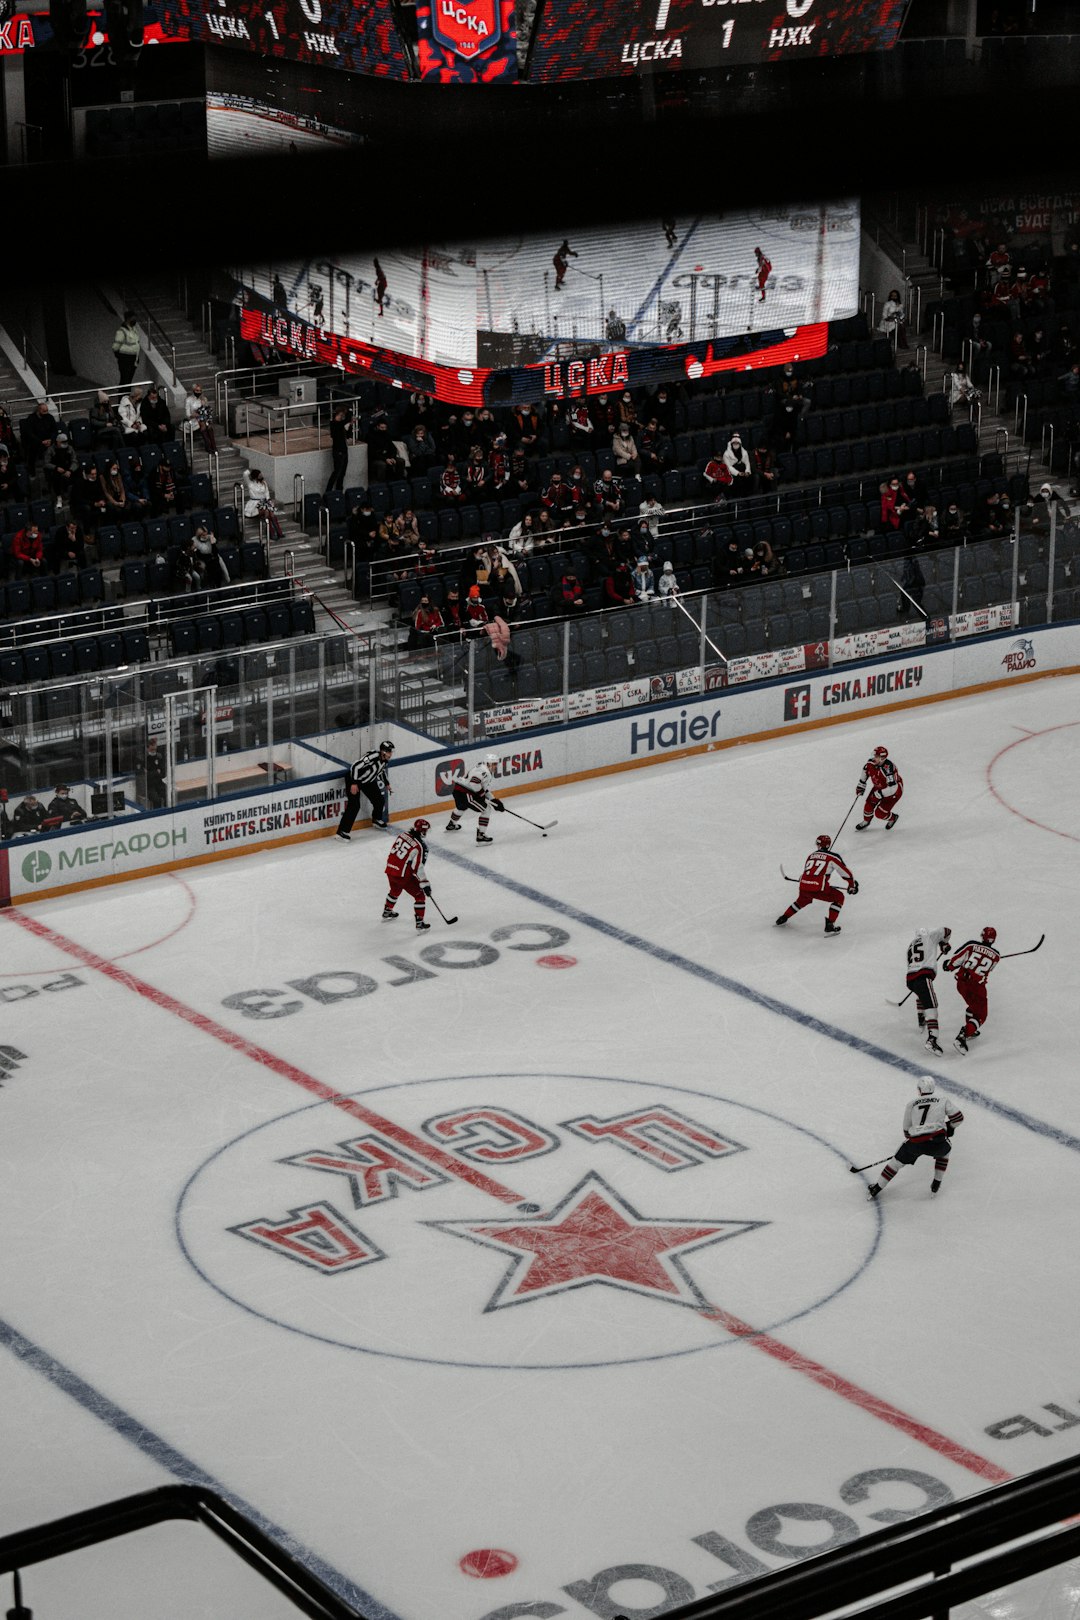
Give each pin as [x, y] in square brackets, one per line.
[595, 1236]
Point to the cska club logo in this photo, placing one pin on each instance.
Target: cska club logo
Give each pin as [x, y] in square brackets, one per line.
[466, 27]
[516, 1220]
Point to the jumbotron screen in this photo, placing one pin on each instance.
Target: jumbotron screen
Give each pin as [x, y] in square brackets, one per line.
[686, 296]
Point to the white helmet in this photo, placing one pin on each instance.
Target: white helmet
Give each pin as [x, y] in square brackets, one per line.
[927, 1085]
[492, 759]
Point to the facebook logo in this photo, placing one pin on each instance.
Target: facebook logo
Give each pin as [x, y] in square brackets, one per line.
[796, 702]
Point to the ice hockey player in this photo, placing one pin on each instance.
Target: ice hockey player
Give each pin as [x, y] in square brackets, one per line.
[886, 790]
[368, 777]
[923, 955]
[973, 964]
[929, 1121]
[822, 871]
[762, 273]
[472, 791]
[405, 870]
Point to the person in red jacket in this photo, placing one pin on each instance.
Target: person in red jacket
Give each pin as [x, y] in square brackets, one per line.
[28, 549]
[571, 592]
[823, 871]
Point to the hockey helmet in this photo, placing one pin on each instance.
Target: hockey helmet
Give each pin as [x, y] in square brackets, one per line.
[927, 1085]
[386, 748]
[989, 935]
[823, 841]
[490, 760]
[420, 826]
[881, 753]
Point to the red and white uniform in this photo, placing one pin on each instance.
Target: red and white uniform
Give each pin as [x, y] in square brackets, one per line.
[886, 788]
[764, 271]
[825, 876]
[405, 870]
[973, 964]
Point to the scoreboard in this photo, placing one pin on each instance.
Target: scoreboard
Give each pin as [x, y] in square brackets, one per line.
[608, 38]
[475, 41]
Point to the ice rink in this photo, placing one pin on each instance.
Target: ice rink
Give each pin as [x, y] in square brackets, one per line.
[516, 1268]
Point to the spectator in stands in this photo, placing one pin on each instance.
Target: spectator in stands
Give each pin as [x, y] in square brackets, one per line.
[523, 536]
[662, 407]
[426, 620]
[627, 411]
[407, 529]
[8, 440]
[198, 410]
[259, 503]
[138, 489]
[116, 496]
[451, 493]
[131, 423]
[577, 485]
[88, 503]
[731, 565]
[987, 516]
[10, 481]
[59, 466]
[655, 448]
[28, 551]
[768, 474]
[64, 806]
[625, 451]
[212, 569]
[962, 390]
[737, 461]
[913, 581]
[28, 816]
[617, 589]
[105, 422]
[526, 429]
[156, 420]
[547, 531]
[39, 432]
[953, 523]
[186, 573]
[127, 346]
[765, 562]
[608, 494]
[570, 593]
[499, 463]
[718, 479]
[668, 587]
[924, 529]
[578, 519]
[385, 460]
[1021, 362]
[889, 520]
[913, 494]
[476, 614]
[453, 613]
[363, 529]
[1005, 512]
[506, 583]
[485, 429]
[605, 415]
[650, 512]
[477, 475]
[558, 498]
[522, 474]
[339, 449]
[421, 449]
[67, 545]
[644, 580]
[894, 320]
[165, 493]
[582, 427]
[792, 389]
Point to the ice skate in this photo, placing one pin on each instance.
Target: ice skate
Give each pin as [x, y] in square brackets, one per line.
[453, 826]
[891, 822]
[832, 928]
[861, 826]
[961, 1042]
[482, 838]
[780, 921]
[388, 915]
[422, 926]
[933, 1044]
[347, 837]
[872, 1191]
[935, 1187]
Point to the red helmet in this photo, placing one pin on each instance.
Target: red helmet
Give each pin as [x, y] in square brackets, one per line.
[989, 935]
[881, 753]
[823, 841]
[420, 826]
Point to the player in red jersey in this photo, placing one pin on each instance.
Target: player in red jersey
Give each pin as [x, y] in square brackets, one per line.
[405, 870]
[973, 964]
[822, 871]
[764, 271]
[886, 790]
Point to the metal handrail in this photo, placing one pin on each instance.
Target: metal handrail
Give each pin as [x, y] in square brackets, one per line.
[937, 334]
[41, 361]
[1047, 428]
[230, 375]
[298, 499]
[65, 400]
[284, 412]
[993, 386]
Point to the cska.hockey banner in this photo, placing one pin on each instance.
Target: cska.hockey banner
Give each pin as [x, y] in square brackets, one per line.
[466, 41]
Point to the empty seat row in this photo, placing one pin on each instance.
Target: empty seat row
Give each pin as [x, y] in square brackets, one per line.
[81, 655]
[51, 593]
[240, 627]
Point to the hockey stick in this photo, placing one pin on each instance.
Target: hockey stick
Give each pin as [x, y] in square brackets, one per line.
[855, 1168]
[1028, 952]
[541, 826]
[893, 1003]
[784, 875]
[843, 824]
[439, 909]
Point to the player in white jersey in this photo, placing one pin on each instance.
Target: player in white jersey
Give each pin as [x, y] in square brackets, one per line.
[923, 955]
[929, 1122]
[472, 791]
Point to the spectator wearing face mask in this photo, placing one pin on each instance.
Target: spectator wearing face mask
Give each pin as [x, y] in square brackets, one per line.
[737, 460]
[68, 809]
[625, 451]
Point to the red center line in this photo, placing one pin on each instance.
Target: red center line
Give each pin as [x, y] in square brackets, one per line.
[833, 1382]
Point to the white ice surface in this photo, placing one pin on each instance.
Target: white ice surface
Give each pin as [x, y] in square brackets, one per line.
[399, 1415]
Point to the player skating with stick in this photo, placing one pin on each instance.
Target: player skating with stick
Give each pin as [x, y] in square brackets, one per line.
[823, 871]
[973, 964]
[923, 955]
[405, 870]
[472, 791]
[764, 271]
[929, 1122]
[563, 254]
[886, 790]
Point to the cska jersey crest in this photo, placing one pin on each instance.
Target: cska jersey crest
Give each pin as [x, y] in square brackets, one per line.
[466, 27]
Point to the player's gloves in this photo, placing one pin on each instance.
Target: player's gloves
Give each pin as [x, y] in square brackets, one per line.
[950, 1130]
[425, 888]
[860, 790]
[854, 887]
[497, 804]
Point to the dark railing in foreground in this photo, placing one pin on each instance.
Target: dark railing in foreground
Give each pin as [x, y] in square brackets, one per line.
[920, 1553]
[131, 1513]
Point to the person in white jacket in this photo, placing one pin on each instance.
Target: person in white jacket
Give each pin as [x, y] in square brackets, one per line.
[197, 410]
[258, 501]
[669, 585]
[736, 459]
